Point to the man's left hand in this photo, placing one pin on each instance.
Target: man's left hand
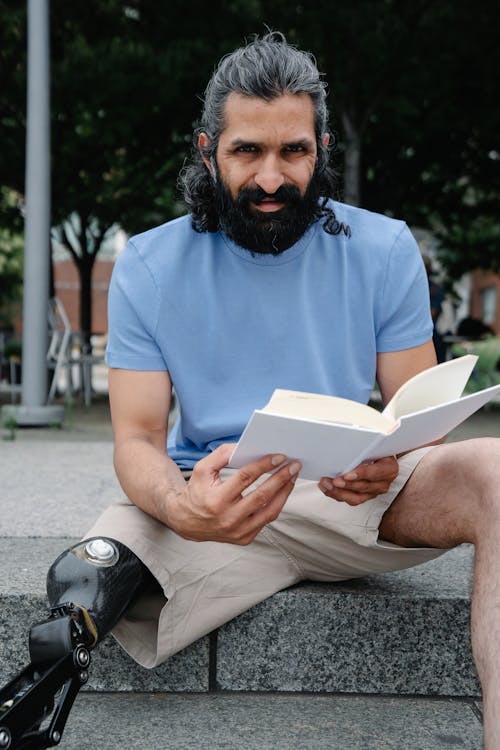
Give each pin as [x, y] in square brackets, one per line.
[362, 483]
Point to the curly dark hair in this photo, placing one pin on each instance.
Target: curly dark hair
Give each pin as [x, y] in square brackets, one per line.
[267, 68]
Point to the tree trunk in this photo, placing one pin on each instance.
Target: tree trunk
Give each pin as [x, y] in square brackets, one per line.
[352, 161]
[85, 268]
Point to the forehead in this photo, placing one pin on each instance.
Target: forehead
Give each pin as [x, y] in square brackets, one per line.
[286, 118]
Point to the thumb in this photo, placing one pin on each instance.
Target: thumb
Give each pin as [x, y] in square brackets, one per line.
[219, 458]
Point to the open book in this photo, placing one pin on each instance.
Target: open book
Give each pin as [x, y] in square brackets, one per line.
[331, 435]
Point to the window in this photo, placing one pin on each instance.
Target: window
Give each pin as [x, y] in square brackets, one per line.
[489, 304]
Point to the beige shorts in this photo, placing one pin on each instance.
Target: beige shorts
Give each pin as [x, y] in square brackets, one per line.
[205, 584]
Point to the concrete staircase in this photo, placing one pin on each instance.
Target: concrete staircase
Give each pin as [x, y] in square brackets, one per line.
[382, 662]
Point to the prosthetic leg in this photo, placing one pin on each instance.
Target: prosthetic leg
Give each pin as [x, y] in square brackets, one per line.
[89, 588]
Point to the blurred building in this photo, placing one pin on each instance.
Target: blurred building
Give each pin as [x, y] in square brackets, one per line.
[485, 298]
[67, 281]
[67, 289]
[478, 292]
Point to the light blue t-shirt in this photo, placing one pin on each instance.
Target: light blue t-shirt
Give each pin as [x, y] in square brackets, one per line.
[231, 326]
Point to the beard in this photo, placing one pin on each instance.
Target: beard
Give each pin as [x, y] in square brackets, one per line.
[270, 232]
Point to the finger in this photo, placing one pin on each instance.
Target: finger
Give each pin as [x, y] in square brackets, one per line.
[208, 468]
[264, 494]
[248, 474]
[266, 513]
[377, 476]
[376, 470]
[349, 497]
[376, 488]
[245, 518]
[336, 488]
[241, 523]
[216, 460]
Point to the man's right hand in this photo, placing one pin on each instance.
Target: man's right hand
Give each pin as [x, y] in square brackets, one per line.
[210, 509]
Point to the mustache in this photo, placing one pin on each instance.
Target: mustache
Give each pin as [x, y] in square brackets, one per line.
[284, 194]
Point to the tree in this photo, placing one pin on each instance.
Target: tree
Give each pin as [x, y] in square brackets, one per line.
[12, 130]
[11, 260]
[12, 105]
[412, 94]
[359, 47]
[121, 120]
[416, 133]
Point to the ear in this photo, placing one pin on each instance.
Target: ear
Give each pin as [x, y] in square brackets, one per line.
[325, 140]
[203, 144]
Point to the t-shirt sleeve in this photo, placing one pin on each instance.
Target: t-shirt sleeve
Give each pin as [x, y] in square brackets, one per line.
[403, 310]
[133, 309]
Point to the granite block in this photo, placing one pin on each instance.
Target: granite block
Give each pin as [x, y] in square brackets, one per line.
[111, 668]
[271, 722]
[403, 633]
[23, 602]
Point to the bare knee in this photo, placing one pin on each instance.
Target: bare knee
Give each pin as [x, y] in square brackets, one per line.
[483, 477]
[451, 498]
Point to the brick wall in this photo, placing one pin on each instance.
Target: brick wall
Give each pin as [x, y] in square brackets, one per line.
[67, 288]
[480, 282]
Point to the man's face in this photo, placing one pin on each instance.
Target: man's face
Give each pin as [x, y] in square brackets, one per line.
[266, 157]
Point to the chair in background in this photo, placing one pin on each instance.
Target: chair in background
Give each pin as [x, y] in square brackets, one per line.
[66, 355]
[10, 366]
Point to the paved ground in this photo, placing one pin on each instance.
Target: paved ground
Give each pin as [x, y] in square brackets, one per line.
[272, 722]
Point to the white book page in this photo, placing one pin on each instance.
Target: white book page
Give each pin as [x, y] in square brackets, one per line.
[436, 385]
[431, 424]
[315, 406]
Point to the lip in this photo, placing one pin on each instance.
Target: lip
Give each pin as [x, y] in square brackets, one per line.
[267, 206]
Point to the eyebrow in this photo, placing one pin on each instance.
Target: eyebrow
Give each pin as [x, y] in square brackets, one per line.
[243, 142]
[304, 142]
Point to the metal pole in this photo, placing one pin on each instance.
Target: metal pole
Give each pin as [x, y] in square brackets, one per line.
[33, 409]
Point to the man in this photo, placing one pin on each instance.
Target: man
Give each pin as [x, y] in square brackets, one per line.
[267, 284]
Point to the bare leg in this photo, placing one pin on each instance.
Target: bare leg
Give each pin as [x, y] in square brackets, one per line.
[454, 497]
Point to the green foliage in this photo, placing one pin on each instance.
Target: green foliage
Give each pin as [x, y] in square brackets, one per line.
[11, 267]
[465, 246]
[11, 259]
[10, 426]
[125, 79]
[417, 84]
[125, 86]
[12, 100]
[412, 83]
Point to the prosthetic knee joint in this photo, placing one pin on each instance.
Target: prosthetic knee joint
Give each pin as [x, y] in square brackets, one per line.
[89, 588]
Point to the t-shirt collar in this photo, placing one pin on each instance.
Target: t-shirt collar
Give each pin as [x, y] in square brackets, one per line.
[268, 259]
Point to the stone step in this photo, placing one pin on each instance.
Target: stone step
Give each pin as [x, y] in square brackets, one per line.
[271, 722]
[399, 633]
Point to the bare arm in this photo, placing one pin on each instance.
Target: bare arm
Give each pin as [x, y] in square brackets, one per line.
[372, 479]
[140, 404]
[205, 508]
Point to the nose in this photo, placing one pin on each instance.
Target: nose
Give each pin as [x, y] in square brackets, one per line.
[269, 175]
